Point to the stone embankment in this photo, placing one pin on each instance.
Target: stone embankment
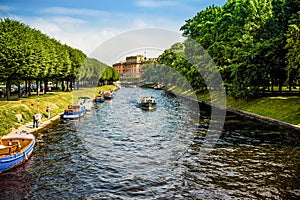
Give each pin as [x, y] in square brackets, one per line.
[28, 127]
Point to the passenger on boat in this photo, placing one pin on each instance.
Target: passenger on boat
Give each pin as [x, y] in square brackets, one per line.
[143, 99]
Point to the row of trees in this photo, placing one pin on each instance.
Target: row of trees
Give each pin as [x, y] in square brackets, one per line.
[27, 55]
[93, 72]
[254, 44]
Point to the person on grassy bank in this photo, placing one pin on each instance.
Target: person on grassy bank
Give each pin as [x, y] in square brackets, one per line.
[48, 111]
[36, 119]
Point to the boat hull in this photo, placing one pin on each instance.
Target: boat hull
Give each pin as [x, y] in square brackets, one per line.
[148, 103]
[74, 115]
[74, 112]
[13, 160]
[100, 100]
[108, 97]
[148, 106]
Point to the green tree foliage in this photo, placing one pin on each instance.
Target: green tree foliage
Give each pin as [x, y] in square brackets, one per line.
[93, 72]
[109, 75]
[254, 44]
[28, 55]
[293, 46]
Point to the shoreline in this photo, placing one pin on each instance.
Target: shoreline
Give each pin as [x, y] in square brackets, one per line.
[24, 109]
[28, 126]
[43, 124]
[243, 113]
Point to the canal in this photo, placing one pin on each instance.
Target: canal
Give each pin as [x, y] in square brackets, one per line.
[118, 151]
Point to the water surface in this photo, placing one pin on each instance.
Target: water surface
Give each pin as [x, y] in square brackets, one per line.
[118, 151]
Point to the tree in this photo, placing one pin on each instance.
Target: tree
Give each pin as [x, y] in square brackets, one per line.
[293, 46]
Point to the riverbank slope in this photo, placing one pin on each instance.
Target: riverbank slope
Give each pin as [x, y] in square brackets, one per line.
[274, 109]
[17, 115]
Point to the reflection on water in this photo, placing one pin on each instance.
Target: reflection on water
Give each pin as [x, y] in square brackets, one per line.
[118, 151]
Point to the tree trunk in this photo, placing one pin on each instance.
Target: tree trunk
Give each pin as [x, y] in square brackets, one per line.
[56, 86]
[37, 86]
[7, 90]
[62, 86]
[45, 86]
[19, 90]
[26, 87]
[29, 88]
[67, 83]
[280, 88]
[272, 88]
[71, 85]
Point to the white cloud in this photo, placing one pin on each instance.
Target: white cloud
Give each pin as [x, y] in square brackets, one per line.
[150, 40]
[71, 31]
[72, 11]
[53, 25]
[6, 8]
[86, 35]
[68, 20]
[139, 23]
[43, 25]
[155, 4]
[75, 28]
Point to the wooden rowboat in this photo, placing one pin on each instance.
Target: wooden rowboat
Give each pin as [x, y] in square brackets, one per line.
[15, 149]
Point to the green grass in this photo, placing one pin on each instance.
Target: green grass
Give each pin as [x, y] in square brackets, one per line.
[286, 109]
[58, 101]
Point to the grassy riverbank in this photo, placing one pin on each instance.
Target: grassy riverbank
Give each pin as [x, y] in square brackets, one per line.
[286, 109]
[58, 101]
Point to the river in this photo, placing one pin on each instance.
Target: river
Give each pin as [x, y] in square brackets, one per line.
[118, 151]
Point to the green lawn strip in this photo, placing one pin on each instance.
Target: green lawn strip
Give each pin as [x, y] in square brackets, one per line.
[58, 101]
[286, 109]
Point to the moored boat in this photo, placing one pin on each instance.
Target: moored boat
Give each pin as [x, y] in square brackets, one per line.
[74, 111]
[148, 103]
[159, 87]
[108, 95]
[15, 149]
[100, 98]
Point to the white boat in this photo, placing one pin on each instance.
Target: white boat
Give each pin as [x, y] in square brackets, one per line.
[159, 87]
[148, 103]
[74, 111]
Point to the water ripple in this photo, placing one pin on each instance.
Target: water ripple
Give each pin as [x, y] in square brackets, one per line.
[119, 151]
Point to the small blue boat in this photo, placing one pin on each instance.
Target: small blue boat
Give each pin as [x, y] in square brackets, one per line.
[100, 98]
[74, 111]
[15, 149]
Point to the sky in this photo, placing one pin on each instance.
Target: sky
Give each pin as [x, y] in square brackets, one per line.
[87, 24]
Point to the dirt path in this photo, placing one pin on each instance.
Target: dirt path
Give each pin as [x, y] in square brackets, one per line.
[29, 126]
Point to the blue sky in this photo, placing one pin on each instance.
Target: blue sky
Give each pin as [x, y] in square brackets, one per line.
[84, 24]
